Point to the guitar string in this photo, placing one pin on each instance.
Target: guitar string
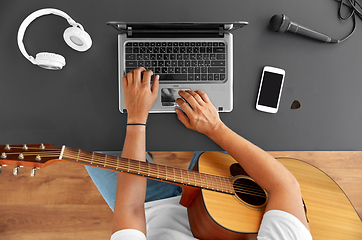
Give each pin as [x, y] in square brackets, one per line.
[238, 188]
[164, 172]
[136, 168]
[97, 158]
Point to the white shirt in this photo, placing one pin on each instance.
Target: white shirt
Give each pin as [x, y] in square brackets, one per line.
[166, 219]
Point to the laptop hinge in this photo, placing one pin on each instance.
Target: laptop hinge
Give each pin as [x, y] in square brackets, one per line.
[129, 31]
[172, 33]
[158, 29]
[138, 32]
[221, 31]
[175, 30]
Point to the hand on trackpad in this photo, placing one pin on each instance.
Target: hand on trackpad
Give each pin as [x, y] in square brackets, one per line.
[169, 96]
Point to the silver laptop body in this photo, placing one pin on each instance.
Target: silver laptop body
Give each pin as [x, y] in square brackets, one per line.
[194, 56]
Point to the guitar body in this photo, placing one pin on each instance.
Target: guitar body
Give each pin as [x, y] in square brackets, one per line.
[215, 215]
[330, 213]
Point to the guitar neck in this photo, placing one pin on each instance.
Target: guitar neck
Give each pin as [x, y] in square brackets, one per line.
[148, 170]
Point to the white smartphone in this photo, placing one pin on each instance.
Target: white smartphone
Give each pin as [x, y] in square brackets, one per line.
[270, 89]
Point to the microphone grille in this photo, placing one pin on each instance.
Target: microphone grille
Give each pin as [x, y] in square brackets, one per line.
[279, 23]
[276, 22]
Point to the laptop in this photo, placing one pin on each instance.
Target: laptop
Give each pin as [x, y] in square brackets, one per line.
[187, 56]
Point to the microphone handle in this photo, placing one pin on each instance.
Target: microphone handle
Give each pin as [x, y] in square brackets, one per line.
[296, 28]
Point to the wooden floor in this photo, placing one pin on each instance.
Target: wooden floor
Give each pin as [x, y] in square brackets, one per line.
[61, 202]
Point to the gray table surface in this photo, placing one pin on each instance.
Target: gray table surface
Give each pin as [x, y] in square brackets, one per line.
[78, 106]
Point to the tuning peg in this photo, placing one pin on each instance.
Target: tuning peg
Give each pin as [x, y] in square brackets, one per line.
[3, 155]
[25, 147]
[32, 173]
[16, 171]
[7, 147]
[42, 146]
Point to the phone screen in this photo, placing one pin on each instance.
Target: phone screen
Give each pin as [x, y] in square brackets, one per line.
[270, 89]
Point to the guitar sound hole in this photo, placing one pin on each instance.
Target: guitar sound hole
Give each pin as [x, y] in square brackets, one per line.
[249, 192]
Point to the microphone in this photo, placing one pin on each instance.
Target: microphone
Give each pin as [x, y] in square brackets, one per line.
[281, 23]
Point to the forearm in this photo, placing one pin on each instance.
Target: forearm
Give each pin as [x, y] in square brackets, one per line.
[135, 143]
[139, 97]
[131, 189]
[261, 166]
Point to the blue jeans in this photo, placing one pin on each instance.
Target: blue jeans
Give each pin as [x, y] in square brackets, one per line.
[106, 182]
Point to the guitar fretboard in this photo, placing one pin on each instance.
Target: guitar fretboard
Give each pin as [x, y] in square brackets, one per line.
[149, 170]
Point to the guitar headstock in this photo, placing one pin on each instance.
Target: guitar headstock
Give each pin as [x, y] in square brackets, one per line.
[28, 155]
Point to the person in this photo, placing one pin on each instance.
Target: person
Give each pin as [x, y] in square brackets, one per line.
[284, 216]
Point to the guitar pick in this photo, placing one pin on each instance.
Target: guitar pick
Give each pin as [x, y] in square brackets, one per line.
[295, 104]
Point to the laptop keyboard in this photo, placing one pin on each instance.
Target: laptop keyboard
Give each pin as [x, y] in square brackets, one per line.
[199, 62]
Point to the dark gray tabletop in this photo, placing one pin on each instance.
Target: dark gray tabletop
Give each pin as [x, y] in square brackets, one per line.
[78, 106]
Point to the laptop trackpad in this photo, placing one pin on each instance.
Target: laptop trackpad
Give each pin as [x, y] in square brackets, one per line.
[169, 96]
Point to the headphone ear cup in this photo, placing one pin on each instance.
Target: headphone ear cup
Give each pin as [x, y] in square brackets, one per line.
[77, 39]
[51, 61]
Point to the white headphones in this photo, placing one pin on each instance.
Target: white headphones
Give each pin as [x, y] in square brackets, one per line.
[74, 36]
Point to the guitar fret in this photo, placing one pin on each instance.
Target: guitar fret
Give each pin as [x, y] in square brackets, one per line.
[212, 183]
[78, 155]
[217, 187]
[218, 182]
[174, 176]
[148, 173]
[117, 163]
[99, 157]
[194, 179]
[213, 186]
[92, 157]
[208, 182]
[226, 185]
[201, 179]
[231, 187]
[222, 185]
[158, 173]
[182, 173]
[154, 168]
[144, 166]
[204, 181]
[105, 160]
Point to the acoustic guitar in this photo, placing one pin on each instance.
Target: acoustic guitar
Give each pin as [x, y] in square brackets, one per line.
[223, 202]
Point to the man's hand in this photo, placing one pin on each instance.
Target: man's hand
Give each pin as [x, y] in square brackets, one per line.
[198, 112]
[138, 95]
